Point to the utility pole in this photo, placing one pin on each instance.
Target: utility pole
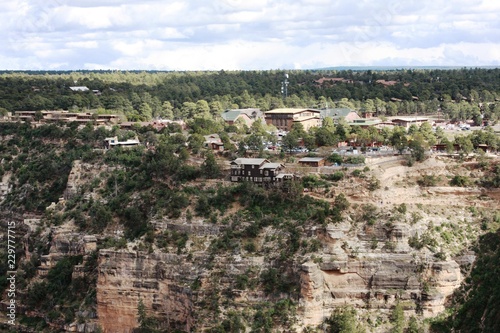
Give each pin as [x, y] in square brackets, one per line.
[284, 87]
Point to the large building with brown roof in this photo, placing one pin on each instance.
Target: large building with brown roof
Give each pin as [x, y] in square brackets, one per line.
[283, 119]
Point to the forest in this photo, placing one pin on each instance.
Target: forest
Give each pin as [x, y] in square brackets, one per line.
[458, 94]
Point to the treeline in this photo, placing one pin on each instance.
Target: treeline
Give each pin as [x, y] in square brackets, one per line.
[459, 94]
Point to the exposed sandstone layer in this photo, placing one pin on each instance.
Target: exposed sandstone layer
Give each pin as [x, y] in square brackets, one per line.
[359, 274]
[160, 280]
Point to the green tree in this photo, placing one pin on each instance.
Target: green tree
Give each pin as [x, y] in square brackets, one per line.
[344, 320]
[398, 139]
[413, 326]
[417, 147]
[216, 108]
[145, 111]
[210, 168]
[147, 324]
[398, 319]
[290, 141]
[196, 142]
[325, 137]
[465, 144]
[254, 142]
[188, 110]
[167, 110]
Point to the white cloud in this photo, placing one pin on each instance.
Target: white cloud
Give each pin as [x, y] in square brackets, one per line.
[240, 34]
[91, 44]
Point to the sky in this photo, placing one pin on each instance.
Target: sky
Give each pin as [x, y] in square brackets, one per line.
[246, 34]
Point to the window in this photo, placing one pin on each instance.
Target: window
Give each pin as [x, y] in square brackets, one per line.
[266, 173]
[249, 173]
[260, 171]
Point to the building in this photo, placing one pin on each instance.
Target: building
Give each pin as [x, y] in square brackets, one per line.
[231, 116]
[248, 116]
[79, 88]
[336, 114]
[407, 122]
[157, 125]
[213, 142]
[312, 162]
[113, 142]
[65, 117]
[283, 119]
[257, 170]
[365, 123]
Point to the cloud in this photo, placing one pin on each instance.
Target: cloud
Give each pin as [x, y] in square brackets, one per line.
[240, 34]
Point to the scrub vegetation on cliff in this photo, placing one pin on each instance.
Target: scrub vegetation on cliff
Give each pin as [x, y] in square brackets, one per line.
[157, 236]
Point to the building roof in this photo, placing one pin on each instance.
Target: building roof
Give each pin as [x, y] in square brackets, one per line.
[230, 115]
[412, 119]
[79, 88]
[233, 114]
[252, 112]
[335, 112]
[365, 122]
[271, 166]
[290, 110]
[283, 175]
[250, 161]
[311, 159]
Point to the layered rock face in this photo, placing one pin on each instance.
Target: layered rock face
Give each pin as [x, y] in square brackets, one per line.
[362, 274]
[160, 280]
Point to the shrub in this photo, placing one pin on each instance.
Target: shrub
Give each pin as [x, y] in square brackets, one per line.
[334, 177]
[373, 184]
[344, 320]
[335, 158]
[357, 173]
[428, 180]
[359, 159]
[462, 181]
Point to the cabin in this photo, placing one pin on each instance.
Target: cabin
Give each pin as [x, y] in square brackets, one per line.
[312, 162]
[213, 142]
[257, 170]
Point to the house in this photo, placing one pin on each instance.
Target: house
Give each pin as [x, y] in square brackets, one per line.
[79, 88]
[407, 122]
[257, 170]
[338, 113]
[213, 142]
[283, 119]
[113, 142]
[157, 125]
[365, 123]
[312, 162]
[66, 117]
[231, 116]
[248, 116]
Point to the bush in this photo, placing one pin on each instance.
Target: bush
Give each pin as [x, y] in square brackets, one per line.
[344, 320]
[358, 173]
[359, 159]
[461, 181]
[334, 177]
[335, 159]
[428, 180]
